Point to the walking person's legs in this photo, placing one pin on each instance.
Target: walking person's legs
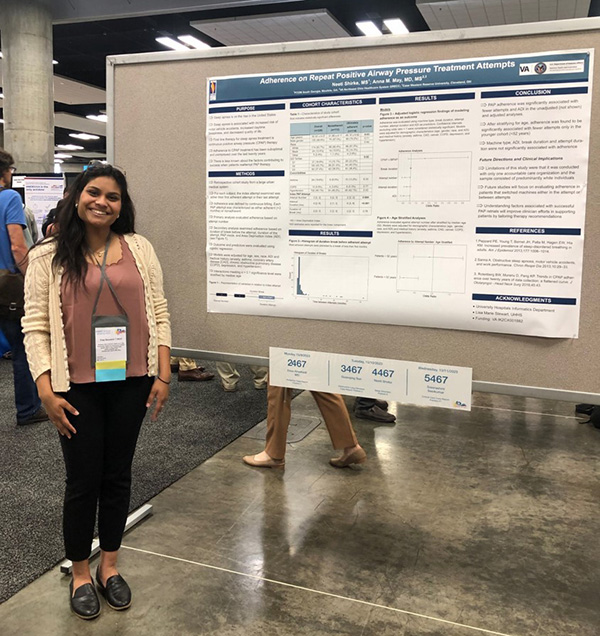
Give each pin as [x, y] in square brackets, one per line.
[337, 420]
[279, 413]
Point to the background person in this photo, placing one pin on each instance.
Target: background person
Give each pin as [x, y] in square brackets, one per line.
[230, 376]
[188, 371]
[48, 226]
[31, 231]
[337, 420]
[98, 417]
[373, 409]
[13, 251]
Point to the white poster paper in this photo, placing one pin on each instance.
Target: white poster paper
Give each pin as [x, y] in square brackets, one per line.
[441, 194]
[401, 381]
[41, 195]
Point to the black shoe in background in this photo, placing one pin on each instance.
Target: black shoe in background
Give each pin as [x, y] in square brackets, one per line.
[595, 417]
[39, 416]
[375, 414]
[367, 403]
[584, 409]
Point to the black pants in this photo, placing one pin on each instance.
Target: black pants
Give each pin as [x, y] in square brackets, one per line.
[98, 461]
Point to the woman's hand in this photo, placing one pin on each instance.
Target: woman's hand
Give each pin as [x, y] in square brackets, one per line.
[159, 394]
[56, 406]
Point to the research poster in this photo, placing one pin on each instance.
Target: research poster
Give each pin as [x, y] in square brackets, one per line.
[443, 194]
[41, 195]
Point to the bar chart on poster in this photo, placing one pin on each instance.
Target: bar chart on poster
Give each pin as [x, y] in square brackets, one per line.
[335, 277]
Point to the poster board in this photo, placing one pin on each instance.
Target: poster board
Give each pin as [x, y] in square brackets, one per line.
[157, 133]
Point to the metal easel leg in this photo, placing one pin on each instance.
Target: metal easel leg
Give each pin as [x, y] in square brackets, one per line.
[135, 517]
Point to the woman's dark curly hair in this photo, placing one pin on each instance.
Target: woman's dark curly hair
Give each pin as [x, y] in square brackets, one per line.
[71, 244]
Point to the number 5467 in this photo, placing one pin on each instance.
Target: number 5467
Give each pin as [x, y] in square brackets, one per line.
[438, 379]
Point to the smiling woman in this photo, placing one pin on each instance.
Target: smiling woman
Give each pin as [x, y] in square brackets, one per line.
[99, 204]
[103, 210]
[99, 354]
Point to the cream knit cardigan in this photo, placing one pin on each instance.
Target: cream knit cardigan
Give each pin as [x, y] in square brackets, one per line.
[43, 326]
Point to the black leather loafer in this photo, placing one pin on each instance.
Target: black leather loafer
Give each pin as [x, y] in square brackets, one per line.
[375, 414]
[85, 602]
[116, 592]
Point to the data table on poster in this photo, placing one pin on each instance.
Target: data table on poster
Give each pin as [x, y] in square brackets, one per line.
[331, 167]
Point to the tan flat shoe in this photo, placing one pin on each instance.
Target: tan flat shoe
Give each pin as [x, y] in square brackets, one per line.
[266, 463]
[357, 457]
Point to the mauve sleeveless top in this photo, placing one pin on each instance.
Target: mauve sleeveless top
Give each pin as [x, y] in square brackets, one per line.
[78, 302]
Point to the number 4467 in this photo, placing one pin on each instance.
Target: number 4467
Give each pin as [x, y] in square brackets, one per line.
[384, 373]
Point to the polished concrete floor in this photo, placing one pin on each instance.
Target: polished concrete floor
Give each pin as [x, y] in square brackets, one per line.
[459, 524]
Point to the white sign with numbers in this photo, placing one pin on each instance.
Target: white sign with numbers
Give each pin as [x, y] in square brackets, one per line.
[402, 381]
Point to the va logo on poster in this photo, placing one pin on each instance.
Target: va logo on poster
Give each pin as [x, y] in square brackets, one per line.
[530, 69]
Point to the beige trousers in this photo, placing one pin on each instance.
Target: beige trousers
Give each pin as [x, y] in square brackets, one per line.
[230, 375]
[185, 364]
[279, 412]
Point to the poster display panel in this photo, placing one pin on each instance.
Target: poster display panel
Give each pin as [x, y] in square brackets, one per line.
[403, 381]
[441, 194]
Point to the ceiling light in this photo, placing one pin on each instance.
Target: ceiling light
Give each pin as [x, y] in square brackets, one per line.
[1, 121]
[396, 26]
[172, 44]
[58, 161]
[368, 28]
[195, 43]
[83, 136]
[103, 118]
[68, 147]
[1, 95]
[62, 155]
[0, 54]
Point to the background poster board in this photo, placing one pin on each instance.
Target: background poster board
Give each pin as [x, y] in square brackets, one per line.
[41, 195]
[41, 191]
[160, 140]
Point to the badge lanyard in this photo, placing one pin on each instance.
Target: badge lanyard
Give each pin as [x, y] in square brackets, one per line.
[109, 334]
